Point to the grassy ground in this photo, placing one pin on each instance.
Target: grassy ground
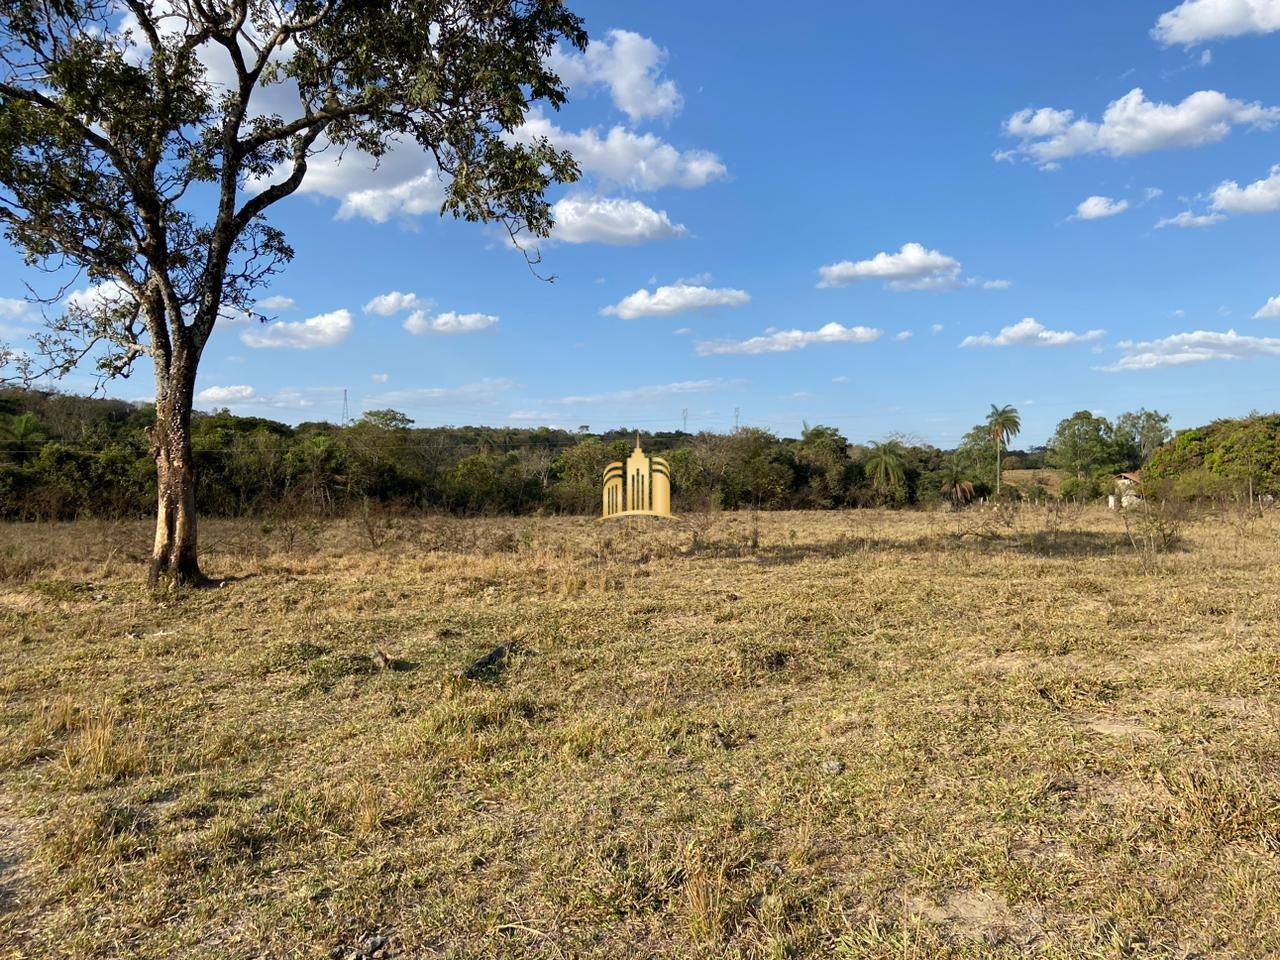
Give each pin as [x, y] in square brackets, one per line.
[853, 734]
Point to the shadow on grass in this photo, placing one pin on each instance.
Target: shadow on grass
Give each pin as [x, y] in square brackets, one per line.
[399, 666]
[492, 665]
[217, 583]
[1068, 544]
[8, 876]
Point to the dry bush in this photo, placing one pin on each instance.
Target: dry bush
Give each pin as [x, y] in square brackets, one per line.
[1155, 526]
[293, 523]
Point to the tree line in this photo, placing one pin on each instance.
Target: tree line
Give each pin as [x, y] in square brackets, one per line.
[64, 456]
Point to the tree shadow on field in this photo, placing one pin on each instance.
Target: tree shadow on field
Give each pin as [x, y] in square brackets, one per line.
[1075, 544]
[9, 864]
[8, 896]
[1078, 543]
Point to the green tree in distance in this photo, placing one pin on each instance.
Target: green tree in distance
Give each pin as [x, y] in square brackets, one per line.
[955, 485]
[885, 465]
[1139, 434]
[1003, 423]
[120, 157]
[387, 419]
[23, 435]
[1083, 444]
[823, 457]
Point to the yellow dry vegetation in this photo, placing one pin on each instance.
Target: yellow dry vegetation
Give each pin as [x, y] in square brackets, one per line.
[1027, 480]
[992, 733]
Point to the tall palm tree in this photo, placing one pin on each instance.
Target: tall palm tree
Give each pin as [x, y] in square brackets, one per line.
[956, 487]
[1004, 424]
[886, 466]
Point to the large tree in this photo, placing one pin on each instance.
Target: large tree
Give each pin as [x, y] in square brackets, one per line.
[142, 143]
[1003, 424]
[1139, 434]
[1083, 444]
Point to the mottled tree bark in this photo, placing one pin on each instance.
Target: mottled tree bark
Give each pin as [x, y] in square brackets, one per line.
[175, 555]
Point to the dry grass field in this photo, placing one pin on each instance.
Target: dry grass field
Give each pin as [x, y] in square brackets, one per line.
[856, 734]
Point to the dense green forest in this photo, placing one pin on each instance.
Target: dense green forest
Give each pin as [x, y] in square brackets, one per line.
[65, 456]
[1227, 458]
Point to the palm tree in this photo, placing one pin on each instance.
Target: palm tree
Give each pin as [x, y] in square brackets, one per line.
[1004, 424]
[885, 465]
[25, 434]
[956, 487]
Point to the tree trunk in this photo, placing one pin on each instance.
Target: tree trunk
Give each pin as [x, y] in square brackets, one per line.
[997, 466]
[174, 556]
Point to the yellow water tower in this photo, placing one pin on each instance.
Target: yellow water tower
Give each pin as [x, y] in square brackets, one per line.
[641, 486]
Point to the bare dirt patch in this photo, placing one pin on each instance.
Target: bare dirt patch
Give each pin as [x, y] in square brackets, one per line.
[971, 914]
[1120, 727]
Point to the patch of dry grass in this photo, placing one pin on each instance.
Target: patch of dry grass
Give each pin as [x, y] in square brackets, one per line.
[866, 734]
[1046, 477]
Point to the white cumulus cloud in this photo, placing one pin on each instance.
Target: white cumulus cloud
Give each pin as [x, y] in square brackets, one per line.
[677, 298]
[1261, 196]
[912, 268]
[1133, 124]
[379, 377]
[422, 194]
[1199, 346]
[630, 66]
[1098, 208]
[1269, 310]
[781, 341]
[403, 182]
[389, 304]
[107, 295]
[324, 330]
[12, 308]
[639, 161]
[610, 220]
[233, 394]
[1195, 21]
[420, 324]
[276, 303]
[1029, 332]
[903, 335]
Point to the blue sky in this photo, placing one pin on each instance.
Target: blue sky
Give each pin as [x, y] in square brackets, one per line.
[879, 217]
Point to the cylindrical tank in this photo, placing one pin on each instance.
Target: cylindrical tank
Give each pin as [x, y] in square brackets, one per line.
[661, 473]
[613, 489]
